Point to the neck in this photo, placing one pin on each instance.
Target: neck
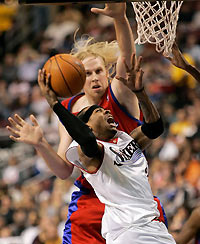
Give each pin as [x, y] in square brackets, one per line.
[93, 100]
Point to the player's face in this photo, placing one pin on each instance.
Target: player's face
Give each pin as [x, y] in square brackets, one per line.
[96, 76]
[102, 123]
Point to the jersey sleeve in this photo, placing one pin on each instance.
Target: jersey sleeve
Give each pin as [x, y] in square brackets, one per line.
[73, 157]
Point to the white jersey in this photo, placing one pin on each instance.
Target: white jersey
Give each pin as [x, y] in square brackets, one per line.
[121, 183]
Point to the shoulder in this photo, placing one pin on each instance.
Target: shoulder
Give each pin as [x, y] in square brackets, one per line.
[196, 213]
[119, 89]
[71, 101]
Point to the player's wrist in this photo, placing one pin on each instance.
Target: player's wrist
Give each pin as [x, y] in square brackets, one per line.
[121, 18]
[54, 103]
[138, 90]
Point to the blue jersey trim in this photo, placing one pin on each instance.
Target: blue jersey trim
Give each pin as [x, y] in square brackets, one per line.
[69, 107]
[76, 195]
[122, 107]
[163, 211]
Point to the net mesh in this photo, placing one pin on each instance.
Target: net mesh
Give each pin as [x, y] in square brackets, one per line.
[156, 23]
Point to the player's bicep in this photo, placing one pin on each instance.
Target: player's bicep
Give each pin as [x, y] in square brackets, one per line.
[142, 140]
[91, 164]
[126, 98]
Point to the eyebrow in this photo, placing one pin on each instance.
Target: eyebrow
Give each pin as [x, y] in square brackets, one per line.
[99, 67]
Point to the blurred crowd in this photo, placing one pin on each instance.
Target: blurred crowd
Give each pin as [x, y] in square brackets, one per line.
[30, 195]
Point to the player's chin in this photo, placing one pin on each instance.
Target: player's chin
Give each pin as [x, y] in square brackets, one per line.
[98, 91]
[112, 127]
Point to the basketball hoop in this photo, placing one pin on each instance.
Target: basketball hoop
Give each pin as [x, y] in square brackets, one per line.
[156, 23]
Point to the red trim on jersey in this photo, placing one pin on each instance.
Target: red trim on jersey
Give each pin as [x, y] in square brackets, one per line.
[86, 221]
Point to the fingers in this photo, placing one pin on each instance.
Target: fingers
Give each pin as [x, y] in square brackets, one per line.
[14, 123]
[42, 77]
[123, 80]
[48, 80]
[19, 120]
[141, 72]
[133, 60]
[17, 139]
[12, 130]
[139, 61]
[97, 11]
[33, 119]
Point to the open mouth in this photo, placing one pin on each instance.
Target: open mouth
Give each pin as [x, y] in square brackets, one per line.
[96, 86]
[111, 122]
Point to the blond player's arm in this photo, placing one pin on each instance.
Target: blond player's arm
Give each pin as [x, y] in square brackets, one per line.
[125, 39]
[190, 228]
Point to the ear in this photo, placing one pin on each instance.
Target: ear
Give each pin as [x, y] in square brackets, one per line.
[107, 72]
[88, 124]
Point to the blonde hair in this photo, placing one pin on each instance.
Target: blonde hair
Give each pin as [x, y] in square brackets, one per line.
[87, 46]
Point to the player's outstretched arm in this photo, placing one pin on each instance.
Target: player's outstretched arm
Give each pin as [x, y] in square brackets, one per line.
[77, 129]
[153, 126]
[179, 61]
[190, 228]
[124, 34]
[65, 139]
[32, 134]
[125, 39]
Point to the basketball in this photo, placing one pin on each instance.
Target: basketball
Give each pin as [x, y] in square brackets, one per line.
[67, 74]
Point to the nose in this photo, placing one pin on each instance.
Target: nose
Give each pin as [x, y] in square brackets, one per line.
[107, 111]
[94, 76]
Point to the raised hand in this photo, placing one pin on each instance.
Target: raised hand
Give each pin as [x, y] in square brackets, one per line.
[114, 10]
[135, 74]
[25, 132]
[44, 83]
[178, 59]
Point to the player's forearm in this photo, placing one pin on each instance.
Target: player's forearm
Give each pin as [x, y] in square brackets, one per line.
[124, 36]
[56, 164]
[153, 125]
[193, 71]
[149, 111]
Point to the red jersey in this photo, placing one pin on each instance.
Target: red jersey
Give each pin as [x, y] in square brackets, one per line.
[126, 122]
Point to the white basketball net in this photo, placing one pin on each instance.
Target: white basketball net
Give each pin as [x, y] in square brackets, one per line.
[156, 23]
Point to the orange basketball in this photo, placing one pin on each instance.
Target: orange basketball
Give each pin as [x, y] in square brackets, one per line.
[67, 74]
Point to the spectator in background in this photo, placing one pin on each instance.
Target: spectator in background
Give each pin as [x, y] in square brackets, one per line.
[7, 14]
[5, 103]
[9, 69]
[6, 209]
[196, 17]
[19, 221]
[192, 48]
[28, 63]
[48, 233]
[11, 173]
[65, 24]
[39, 104]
